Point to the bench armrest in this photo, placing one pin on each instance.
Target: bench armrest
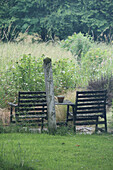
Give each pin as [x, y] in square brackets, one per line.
[12, 104]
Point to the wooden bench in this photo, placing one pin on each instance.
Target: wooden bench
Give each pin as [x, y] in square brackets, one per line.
[89, 109]
[31, 108]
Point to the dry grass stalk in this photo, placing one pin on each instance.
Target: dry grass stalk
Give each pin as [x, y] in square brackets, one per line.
[4, 116]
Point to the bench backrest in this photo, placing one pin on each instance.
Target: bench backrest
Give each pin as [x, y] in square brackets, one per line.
[90, 103]
[32, 103]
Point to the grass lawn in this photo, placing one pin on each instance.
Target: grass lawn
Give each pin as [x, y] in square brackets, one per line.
[47, 152]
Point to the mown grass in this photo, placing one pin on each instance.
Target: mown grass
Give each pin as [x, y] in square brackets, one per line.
[42, 151]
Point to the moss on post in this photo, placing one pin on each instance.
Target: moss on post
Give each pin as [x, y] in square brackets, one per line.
[47, 60]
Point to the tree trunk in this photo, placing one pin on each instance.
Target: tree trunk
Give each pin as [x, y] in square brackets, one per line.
[50, 95]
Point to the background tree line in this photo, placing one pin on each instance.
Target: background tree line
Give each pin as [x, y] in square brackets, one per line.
[59, 18]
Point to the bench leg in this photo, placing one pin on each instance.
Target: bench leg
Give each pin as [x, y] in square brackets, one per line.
[42, 124]
[11, 110]
[96, 127]
[105, 126]
[74, 120]
[67, 115]
[74, 128]
[105, 123]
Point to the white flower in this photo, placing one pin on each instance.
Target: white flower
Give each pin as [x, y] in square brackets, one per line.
[63, 72]
[13, 66]
[6, 67]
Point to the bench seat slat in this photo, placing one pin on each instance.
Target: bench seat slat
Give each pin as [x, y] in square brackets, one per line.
[32, 97]
[91, 111]
[91, 108]
[91, 96]
[31, 116]
[91, 104]
[32, 92]
[32, 105]
[90, 100]
[25, 109]
[32, 101]
[31, 113]
[90, 92]
[89, 123]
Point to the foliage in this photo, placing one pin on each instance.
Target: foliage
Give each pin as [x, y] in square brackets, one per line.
[60, 18]
[78, 44]
[97, 62]
[64, 75]
[25, 72]
[94, 60]
[96, 17]
[28, 75]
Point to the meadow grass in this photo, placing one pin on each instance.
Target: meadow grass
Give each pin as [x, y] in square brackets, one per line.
[43, 151]
[12, 52]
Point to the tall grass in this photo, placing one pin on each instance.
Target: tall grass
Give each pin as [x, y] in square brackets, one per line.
[11, 52]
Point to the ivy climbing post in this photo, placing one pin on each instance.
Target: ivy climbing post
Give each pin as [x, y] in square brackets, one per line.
[50, 95]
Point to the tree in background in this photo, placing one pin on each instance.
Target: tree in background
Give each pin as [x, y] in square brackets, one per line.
[59, 18]
[97, 18]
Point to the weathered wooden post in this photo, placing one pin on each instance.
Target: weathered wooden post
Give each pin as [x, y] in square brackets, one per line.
[50, 95]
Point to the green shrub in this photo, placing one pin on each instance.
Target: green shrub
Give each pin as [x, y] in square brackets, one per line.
[78, 44]
[93, 61]
[28, 75]
[64, 75]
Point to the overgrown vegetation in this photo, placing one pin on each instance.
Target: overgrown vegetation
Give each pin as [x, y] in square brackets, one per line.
[78, 44]
[96, 62]
[25, 72]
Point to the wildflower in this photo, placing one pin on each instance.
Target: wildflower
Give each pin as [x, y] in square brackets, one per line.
[13, 66]
[63, 72]
[7, 67]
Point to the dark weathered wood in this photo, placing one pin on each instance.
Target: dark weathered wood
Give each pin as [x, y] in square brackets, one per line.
[89, 107]
[31, 107]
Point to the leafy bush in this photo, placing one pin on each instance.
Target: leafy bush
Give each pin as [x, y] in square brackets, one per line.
[28, 75]
[93, 61]
[78, 44]
[64, 75]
